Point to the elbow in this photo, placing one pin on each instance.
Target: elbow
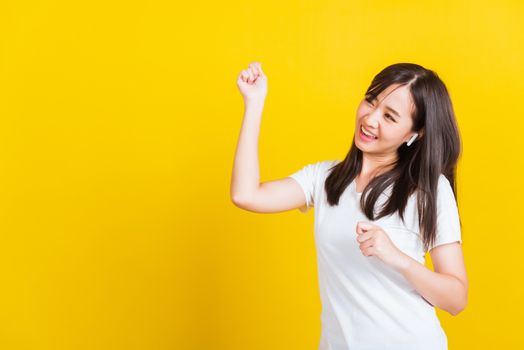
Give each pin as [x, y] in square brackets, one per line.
[239, 201]
[457, 311]
[242, 199]
[461, 306]
[235, 197]
[236, 201]
[461, 301]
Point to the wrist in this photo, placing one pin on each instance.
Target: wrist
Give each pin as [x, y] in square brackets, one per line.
[404, 262]
[256, 101]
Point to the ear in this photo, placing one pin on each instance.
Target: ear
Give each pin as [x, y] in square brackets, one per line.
[419, 134]
[411, 138]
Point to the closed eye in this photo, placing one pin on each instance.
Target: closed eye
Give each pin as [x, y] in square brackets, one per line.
[370, 102]
[390, 117]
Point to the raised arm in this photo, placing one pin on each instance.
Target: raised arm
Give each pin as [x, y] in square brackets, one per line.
[246, 190]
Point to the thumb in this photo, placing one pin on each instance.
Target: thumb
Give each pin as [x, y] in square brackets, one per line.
[259, 66]
[363, 227]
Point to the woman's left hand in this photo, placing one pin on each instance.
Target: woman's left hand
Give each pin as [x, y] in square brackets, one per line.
[374, 241]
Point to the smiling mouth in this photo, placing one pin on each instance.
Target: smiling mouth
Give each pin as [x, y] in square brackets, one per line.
[366, 134]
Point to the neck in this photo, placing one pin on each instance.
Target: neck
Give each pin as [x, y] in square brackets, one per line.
[375, 163]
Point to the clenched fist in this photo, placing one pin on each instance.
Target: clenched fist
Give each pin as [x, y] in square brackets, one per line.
[252, 82]
[374, 241]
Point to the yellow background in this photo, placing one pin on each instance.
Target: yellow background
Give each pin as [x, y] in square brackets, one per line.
[119, 122]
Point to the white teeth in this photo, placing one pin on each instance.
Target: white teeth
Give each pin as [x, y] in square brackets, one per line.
[366, 133]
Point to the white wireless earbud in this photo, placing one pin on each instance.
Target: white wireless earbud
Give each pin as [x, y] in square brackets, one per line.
[412, 139]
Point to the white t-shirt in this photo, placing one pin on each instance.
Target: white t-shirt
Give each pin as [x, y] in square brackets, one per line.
[367, 304]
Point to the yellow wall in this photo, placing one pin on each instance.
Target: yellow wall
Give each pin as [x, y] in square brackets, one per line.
[119, 122]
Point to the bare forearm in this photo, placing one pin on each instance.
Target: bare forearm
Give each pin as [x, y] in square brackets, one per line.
[443, 291]
[246, 173]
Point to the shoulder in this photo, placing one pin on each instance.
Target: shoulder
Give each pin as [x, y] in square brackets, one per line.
[324, 166]
[445, 192]
[315, 171]
[328, 164]
[444, 186]
[442, 179]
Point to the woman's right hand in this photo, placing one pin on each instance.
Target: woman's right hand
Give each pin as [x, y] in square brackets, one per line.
[252, 82]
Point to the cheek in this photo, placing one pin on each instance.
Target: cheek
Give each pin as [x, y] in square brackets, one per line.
[393, 134]
[390, 133]
[362, 111]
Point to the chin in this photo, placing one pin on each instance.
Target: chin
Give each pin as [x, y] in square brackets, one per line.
[364, 145]
[370, 148]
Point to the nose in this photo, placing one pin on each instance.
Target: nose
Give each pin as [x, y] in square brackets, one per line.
[370, 121]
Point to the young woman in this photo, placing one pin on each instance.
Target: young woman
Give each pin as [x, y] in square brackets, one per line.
[377, 212]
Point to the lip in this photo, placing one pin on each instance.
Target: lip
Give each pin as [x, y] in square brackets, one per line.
[364, 137]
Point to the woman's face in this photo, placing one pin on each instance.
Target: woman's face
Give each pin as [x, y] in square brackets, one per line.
[388, 118]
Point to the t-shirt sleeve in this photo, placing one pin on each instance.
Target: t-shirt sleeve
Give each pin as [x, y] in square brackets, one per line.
[307, 177]
[448, 222]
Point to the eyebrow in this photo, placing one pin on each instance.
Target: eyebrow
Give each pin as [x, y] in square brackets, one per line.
[388, 107]
[394, 112]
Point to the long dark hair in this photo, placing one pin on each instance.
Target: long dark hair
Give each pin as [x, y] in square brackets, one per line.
[418, 166]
